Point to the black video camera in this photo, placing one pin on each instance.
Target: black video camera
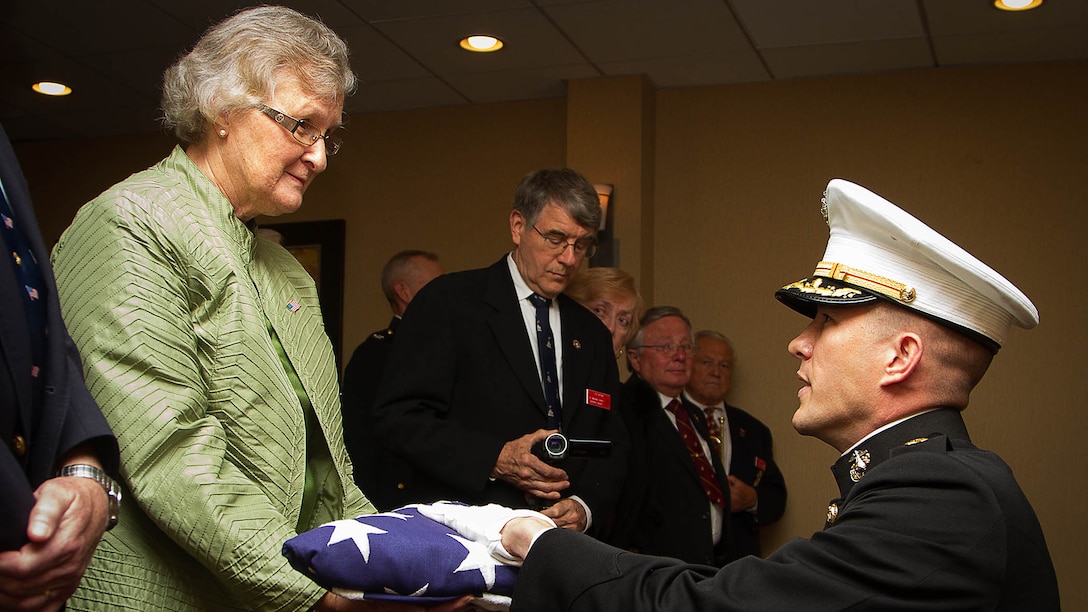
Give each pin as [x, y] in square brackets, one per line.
[557, 447]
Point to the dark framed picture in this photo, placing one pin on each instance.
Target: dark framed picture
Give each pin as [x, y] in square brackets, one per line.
[319, 247]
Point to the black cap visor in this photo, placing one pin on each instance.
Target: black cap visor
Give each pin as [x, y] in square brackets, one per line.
[808, 293]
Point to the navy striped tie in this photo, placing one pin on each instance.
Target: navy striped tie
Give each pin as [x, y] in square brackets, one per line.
[549, 376]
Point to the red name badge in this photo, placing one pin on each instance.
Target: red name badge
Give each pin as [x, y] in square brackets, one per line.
[598, 399]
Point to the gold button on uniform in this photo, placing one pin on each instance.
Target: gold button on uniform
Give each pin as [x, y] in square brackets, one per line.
[18, 446]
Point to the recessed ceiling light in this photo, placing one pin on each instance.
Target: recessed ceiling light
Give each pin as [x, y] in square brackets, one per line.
[50, 88]
[1017, 5]
[481, 43]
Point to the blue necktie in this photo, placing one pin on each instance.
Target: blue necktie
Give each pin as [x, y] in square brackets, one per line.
[29, 275]
[548, 374]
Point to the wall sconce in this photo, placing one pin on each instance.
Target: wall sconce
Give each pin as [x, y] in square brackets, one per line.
[604, 192]
[607, 251]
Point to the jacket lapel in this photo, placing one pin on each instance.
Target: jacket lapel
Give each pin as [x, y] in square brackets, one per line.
[508, 326]
[662, 426]
[576, 360]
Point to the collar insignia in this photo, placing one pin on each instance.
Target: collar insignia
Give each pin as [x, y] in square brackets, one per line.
[858, 464]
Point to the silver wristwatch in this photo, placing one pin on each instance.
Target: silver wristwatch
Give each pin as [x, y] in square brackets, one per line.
[113, 490]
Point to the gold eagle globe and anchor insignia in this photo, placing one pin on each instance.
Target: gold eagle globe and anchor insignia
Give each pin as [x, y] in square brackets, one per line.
[858, 464]
[832, 514]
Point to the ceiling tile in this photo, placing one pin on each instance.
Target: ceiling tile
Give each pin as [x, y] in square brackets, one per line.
[140, 70]
[848, 58]
[375, 58]
[16, 48]
[963, 17]
[788, 23]
[199, 15]
[1010, 47]
[388, 10]
[393, 95]
[531, 41]
[502, 86]
[88, 28]
[91, 90]
[692, 70]
[617, 30]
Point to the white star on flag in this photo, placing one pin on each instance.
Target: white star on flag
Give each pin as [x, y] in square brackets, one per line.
[359, 533]
[477, 559]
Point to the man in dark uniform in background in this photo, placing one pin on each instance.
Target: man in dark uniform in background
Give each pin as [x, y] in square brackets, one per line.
[55, 446]
[904, 325]
[757, 489]
[383, 477]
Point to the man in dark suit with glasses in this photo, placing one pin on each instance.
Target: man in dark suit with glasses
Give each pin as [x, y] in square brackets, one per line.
[489, 362]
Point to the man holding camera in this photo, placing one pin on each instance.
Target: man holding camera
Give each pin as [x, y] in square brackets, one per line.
[676, 494]
[489, 362]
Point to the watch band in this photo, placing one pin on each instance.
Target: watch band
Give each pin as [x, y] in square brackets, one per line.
[113, 490]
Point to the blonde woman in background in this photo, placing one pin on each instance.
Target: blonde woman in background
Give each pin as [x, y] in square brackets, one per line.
[609, 293]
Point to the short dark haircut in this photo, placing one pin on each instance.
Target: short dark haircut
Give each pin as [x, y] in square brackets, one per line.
[394, 270]
[563, 187]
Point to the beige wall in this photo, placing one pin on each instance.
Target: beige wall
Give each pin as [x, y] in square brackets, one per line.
[728, 211]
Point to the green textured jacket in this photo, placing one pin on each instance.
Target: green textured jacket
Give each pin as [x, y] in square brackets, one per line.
[166, 294]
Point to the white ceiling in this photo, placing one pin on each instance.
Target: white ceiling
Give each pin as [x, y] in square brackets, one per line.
[113, 52]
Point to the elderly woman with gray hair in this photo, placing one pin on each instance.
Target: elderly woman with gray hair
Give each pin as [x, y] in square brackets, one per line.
[203, 342]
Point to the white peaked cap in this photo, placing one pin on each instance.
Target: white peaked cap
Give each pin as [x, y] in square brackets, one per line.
[878, 251]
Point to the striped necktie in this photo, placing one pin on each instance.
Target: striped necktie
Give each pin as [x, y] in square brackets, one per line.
[702, 465]
[549, 376]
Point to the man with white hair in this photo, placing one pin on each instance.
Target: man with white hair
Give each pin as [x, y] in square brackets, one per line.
[904, 325]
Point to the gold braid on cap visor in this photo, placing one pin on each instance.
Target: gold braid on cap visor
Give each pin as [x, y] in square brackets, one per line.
[861, 278]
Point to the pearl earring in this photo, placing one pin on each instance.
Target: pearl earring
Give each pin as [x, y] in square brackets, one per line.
[222, 133]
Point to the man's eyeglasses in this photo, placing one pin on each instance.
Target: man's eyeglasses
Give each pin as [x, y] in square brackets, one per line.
[559, 242]
[669, 350]
[303, 131]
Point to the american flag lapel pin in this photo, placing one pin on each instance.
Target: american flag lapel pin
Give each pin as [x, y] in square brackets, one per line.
[293, 306]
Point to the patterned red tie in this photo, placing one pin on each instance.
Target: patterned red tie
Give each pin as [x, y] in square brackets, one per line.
[714, 428]
[702, 464]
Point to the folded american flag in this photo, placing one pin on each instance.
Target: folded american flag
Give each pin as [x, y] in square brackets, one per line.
[400, 556]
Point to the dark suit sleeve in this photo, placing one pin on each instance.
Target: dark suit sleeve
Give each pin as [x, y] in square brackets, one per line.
[361, 379]
[413, 405]
[923, 533]
[758, 445]
[68, 416]
[84, 422]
